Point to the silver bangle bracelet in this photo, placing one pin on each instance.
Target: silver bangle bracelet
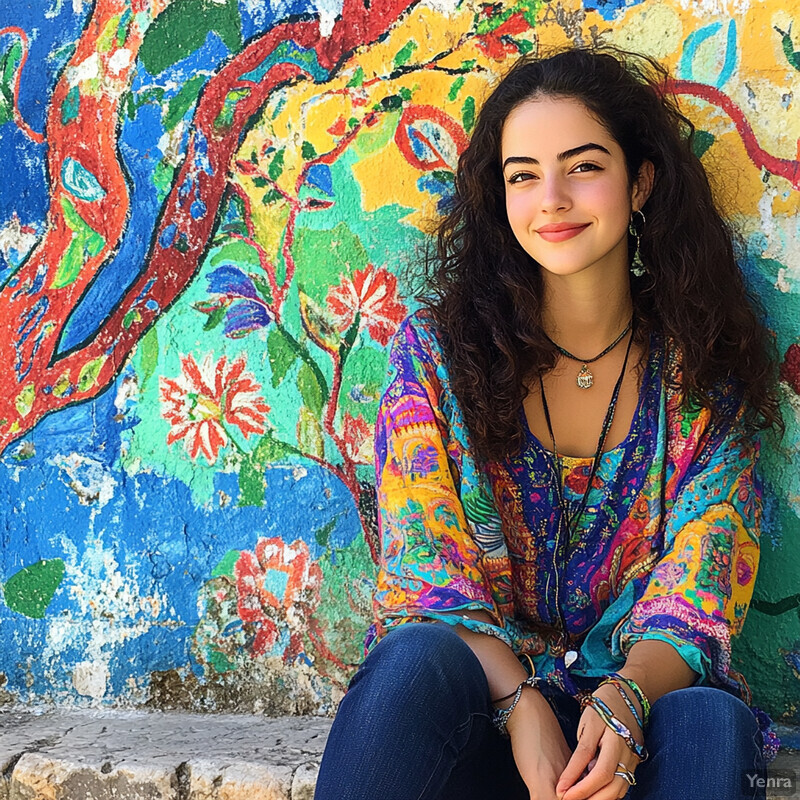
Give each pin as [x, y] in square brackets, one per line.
[501, 715]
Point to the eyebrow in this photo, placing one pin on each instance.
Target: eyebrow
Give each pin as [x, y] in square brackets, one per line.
[567, 154]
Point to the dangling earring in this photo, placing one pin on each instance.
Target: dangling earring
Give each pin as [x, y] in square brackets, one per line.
[637, 266]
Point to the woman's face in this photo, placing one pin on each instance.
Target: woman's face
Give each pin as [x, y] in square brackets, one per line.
[568, 195]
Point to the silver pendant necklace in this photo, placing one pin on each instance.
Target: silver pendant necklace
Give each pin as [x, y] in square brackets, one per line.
[585, 378]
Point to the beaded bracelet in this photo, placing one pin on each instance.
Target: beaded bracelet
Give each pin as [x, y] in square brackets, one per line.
[501, 715]
[607, 715]
[640, 695]
[617, 684]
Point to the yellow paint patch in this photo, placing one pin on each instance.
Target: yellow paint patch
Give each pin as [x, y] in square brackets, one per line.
[655, 29]
[24, 400]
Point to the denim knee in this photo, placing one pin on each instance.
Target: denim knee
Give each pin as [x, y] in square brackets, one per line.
[426, 659]
[711, 711]
[713, 736]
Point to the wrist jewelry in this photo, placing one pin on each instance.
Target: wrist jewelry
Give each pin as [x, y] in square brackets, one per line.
[640, 695]
[501, 715]
[617, 684]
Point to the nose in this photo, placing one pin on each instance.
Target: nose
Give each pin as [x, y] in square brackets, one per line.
[554, 195]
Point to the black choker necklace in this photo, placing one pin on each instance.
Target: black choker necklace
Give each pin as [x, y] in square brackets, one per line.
[585, 378]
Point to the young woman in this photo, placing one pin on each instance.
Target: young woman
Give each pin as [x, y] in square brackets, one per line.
[564, 458]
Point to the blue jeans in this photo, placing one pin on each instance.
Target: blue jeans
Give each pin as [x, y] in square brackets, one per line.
[415, 724]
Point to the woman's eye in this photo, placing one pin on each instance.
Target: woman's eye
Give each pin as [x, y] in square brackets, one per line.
[590, 167]
[518, 176]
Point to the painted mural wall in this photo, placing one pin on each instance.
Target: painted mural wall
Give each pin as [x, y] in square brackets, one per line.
[205, 211]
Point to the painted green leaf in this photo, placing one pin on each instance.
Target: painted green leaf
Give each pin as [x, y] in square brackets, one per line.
[85, 242]
[316, 323]
[523, 45]
[392, 102]
[456, 87]
[468, 114]
[225, 116]
[344, 254]
[87, 377]
[405, 53]
[276, 165]
[94, 244]
[30, 590]
[219, 661]
[262, 287]
[148, 347]
[8, 66]
[183, 101]
[357, 79]
[251, 471]
[310, 390]
[134, 315]
[70, 265]
[182, 28]
[74, 220]
[235, 252]
[701, 141]
[281, 356]
[215, 318]
[271, 196]
[322, 534]
[108, 35]
[225, 567]
[309, 434]
[251, 482]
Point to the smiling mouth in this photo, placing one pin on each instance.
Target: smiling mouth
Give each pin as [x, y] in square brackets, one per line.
[561, 233]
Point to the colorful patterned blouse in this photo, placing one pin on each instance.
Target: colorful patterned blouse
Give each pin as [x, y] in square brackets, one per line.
[667, 547]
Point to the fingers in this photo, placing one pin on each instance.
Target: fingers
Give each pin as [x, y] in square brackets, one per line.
[589, 733]
[601, 783]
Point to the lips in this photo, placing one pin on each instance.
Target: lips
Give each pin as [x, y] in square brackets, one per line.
[559, 232]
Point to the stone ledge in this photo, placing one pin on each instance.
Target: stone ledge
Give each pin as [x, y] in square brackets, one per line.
[136, 755]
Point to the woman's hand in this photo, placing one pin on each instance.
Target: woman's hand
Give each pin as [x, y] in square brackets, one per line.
[540, 750]
[600, 751]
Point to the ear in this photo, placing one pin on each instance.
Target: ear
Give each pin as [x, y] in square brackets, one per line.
[642, 185]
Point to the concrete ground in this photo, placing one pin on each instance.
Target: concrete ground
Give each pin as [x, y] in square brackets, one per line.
[135, 755]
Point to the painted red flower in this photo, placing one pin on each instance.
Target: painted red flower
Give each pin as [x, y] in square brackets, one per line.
[357, 439]
[372, 295]
[205, 397]
[278, 587]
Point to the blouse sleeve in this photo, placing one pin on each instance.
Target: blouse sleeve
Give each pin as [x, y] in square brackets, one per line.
[429, 561]
[697, 595]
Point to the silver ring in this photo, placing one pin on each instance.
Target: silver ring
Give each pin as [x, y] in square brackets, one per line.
[626, 774]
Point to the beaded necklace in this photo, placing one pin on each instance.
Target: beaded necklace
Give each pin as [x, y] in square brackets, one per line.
[555, 465]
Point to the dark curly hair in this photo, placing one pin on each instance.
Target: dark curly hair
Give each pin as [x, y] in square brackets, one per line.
[486, 299]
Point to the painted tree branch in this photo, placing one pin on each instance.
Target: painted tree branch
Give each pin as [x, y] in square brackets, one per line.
[40, 297]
